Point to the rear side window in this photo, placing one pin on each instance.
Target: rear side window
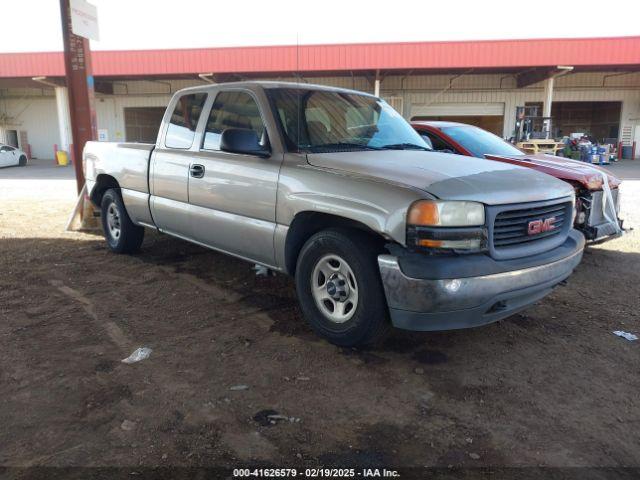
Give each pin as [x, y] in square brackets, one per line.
[182, 126]
[232, 110]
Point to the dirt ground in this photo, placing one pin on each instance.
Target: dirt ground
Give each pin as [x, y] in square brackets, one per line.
[549, 387]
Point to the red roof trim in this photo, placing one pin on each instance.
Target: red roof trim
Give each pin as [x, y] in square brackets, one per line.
[604, 52]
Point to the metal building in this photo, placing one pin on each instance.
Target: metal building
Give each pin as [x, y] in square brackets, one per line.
[590, 85]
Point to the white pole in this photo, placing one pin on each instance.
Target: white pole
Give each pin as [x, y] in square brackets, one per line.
[64, 118]
[548, 97]
[548, 100]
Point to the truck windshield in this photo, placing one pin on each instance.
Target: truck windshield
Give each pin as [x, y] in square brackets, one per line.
[317, 121]
[480, 142]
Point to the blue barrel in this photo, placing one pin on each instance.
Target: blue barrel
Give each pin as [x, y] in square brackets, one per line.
[584, 153]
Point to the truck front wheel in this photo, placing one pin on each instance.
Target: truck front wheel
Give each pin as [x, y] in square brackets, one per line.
[339, 287]
[122, 235]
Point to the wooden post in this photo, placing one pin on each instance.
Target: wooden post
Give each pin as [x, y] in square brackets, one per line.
[79, 79]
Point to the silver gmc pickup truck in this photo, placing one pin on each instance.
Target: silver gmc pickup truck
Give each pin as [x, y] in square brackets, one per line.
[335, 188]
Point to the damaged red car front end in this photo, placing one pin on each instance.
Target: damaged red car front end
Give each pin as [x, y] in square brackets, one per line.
[588, 180]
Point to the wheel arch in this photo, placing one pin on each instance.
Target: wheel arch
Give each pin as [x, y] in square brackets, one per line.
[103, 183]
[307, 223]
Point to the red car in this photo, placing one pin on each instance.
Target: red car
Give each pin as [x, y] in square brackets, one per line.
[587, 179]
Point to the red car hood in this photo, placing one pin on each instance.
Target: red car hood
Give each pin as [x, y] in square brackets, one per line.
[589, 176]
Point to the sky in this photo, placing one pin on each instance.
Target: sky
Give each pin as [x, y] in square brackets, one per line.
[148, 24]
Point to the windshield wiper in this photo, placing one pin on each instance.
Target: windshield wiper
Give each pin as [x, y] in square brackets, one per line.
[342, 145]
[405, 146]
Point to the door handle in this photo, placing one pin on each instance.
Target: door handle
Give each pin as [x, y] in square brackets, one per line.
[196, 170]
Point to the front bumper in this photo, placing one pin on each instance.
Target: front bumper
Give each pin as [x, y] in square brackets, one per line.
[603, 232]
[449, 302]
[597, 228]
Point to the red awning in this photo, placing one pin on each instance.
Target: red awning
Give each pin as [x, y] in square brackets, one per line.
[492, 54]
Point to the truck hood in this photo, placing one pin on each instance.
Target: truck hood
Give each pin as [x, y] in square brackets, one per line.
[447, 176]
[589, 176]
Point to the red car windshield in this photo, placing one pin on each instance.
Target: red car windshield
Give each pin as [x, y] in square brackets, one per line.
[480, 142]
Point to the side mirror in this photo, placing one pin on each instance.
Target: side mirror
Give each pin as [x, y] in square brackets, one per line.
[242, 140]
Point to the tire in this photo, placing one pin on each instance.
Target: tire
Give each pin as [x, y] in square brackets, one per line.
[349, 258]
[22, 162]
[120, 232]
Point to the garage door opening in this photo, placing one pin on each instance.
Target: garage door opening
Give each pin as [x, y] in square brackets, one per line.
[491, 123]
[598, 119]
[142, 123]
[489, 116]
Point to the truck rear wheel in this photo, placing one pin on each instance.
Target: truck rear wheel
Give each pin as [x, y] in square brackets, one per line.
[339, 287]
[120, 232]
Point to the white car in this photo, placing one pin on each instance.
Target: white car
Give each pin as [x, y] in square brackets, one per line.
[11, 156]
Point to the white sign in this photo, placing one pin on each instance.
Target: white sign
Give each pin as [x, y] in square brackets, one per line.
[84, 19]
[103, 135]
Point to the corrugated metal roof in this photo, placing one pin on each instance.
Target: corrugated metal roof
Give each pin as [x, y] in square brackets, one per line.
[495, 54]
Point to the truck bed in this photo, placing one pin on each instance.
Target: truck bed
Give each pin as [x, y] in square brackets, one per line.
[128, 163]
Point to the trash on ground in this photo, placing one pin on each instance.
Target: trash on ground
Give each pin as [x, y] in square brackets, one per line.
[629, 336]
[138, 355]
[275, 417]
[262, 271]
[239, 387]
[262, 417]
[268, 418]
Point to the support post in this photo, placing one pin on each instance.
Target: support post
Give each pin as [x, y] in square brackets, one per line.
[77, 64]
[64, 121]
[546, 109]
[376, 84]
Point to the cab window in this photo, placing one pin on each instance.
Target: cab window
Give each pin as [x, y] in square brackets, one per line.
[184, 120]
[234, 109]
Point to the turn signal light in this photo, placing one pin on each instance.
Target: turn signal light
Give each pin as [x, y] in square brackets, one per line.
[424, 213]
[423, 242]
[461, 244]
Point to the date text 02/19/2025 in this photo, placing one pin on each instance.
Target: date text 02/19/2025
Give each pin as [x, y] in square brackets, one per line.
[315, 473]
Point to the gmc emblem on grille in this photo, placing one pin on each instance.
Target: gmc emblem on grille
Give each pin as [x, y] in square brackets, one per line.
[540, 226]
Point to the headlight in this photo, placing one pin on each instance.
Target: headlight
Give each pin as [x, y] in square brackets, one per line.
[440, 225]
[594, 182]
[436, 213]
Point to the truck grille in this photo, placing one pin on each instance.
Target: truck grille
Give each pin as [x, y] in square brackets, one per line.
[513, 227]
